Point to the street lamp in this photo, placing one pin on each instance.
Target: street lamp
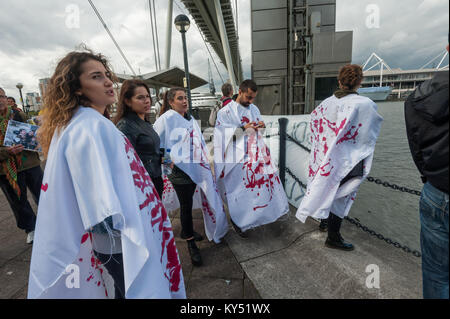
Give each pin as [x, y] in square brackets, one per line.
[183, 24]
[20, 87]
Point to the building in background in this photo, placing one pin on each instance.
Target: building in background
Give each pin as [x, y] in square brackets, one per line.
[43, 83]
[296, 54]
[34, 101]
[402, 82]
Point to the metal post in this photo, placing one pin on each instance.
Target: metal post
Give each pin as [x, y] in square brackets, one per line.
[187, 83]
[283, 122]
[225, 43]
[21, 99]
[169, 33]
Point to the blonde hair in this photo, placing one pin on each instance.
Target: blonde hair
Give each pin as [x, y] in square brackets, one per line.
[60, 100]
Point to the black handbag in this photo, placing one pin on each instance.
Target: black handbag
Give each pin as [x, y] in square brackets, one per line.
[357, 171]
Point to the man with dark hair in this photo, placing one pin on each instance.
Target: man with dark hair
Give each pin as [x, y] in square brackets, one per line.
[18, 169]
[427, 124]
[246, 176]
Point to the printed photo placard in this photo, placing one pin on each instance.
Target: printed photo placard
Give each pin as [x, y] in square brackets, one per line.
[22, 133]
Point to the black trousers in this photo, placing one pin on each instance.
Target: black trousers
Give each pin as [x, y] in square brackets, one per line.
[159, 185]
[114, 264]
[185, 195]
[25, 217]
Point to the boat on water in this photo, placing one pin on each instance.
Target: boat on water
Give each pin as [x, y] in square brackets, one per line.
[376, 93]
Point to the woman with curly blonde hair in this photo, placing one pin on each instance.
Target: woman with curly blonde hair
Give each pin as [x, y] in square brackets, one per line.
[99, 213]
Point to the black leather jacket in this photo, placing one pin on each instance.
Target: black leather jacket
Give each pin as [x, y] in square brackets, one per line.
[145, 141]
[427, 115]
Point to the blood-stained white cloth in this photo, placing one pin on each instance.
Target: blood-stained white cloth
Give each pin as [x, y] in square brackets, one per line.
[344, 133]
[93, 172]
[190, 153]
[246, 175]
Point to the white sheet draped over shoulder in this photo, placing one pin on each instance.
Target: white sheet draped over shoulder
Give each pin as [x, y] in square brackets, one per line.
[344, 133]
[181, 137]
[93, 172]
[245, 173]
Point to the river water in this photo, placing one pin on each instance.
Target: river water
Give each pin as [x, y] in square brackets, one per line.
[392, 213]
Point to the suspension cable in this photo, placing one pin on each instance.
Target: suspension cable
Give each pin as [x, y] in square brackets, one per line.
[111, 36]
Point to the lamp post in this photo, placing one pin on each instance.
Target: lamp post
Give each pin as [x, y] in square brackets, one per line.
[20, 87]
[182, 24]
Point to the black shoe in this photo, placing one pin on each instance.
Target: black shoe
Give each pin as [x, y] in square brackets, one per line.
[197, 236]
[337, 242]
[194, 252]
[323, 227]
[239, 231]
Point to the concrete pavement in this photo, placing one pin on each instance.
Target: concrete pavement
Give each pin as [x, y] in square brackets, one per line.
[286, 259]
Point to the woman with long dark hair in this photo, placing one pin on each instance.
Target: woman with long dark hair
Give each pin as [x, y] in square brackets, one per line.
[101, 230]
[179, 131]
[345, 128]
[134, 103]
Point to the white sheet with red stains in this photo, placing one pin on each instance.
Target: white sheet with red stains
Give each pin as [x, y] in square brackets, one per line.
[93, 172]
[190, 153]
[344, 133]
[246, 175]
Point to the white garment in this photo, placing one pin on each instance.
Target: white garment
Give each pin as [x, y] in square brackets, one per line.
[345, 132]
[93, 172]
[247, 178]
[181, 136]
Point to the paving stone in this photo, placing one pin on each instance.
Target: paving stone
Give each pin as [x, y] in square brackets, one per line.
[268, 238]
[13, 278]
[201, 287]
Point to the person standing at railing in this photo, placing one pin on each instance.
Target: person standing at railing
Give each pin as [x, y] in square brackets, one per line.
[246, 175]
[426, 114]
[345, 128]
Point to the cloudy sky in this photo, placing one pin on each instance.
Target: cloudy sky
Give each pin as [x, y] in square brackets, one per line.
[35, 34]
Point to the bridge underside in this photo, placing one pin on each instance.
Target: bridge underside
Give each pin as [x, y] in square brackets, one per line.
[204, 14]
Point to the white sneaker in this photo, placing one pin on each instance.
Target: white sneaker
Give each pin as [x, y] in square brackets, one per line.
[30, 237]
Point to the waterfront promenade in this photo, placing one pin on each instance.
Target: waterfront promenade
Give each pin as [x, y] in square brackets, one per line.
[286, 259]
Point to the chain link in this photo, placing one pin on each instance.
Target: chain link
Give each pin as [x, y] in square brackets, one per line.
[295, 177]
[405, 248]
[393, 186]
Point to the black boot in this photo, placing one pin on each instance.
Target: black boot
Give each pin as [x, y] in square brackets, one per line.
[334, 239]
[323, 227]
[194, 252]
[239, 231]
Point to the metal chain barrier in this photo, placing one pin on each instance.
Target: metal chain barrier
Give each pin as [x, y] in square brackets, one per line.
[393, 186]
[355, 221]
[295, 178]
[381, 237]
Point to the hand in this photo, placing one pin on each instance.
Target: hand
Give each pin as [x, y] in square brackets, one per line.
[16, 149]
[261, 124]
[250, 125]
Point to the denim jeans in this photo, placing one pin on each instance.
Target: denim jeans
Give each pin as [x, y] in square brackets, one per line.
[434, 242]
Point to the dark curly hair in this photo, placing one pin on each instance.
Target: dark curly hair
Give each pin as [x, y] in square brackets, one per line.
[350, 76]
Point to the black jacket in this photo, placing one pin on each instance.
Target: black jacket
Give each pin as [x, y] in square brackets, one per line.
[145, 141]
[426, 114]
